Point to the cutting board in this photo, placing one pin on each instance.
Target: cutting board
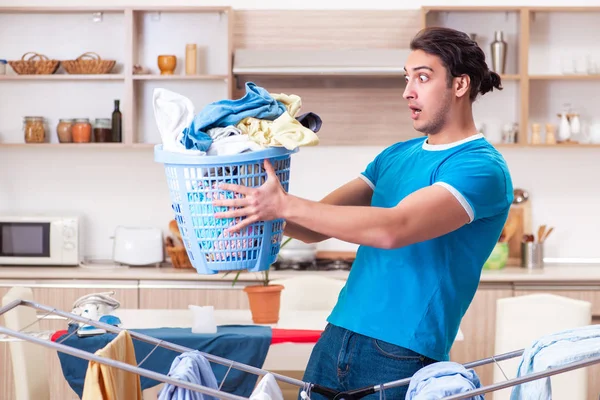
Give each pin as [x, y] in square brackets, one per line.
[522, 213]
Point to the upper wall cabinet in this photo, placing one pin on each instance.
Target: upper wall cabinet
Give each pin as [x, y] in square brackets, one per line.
[550, 91]
[183, 49]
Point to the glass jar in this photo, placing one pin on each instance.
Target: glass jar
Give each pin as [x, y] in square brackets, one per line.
[82, 131]
[64, 130]
[103, 130]
[34, 130]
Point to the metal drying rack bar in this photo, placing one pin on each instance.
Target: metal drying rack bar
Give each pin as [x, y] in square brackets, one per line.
[308, 387]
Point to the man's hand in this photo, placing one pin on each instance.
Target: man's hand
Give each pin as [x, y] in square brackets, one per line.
[264, 203]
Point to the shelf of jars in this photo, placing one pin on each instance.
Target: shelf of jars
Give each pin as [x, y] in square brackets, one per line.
[62, 96]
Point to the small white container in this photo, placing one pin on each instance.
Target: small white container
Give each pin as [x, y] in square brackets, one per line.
[3, 67]
[204, 319]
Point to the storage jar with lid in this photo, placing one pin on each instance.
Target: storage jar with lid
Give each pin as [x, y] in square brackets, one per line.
[103, 130]
[82, 130]
[64, 130]
[3, 67]
[34, 129]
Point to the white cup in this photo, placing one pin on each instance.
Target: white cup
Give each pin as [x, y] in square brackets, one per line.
[204, 319]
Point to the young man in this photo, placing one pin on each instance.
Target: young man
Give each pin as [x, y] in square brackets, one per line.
[426, 213]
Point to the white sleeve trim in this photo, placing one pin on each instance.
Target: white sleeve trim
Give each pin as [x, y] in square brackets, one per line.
[367, 180]
[461, 199]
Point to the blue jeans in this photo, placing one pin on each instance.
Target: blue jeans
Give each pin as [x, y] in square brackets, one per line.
[343, 360]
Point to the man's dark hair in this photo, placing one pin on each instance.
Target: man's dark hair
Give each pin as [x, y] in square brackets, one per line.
[460, 55]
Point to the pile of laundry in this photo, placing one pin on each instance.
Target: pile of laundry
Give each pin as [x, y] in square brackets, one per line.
[256, 121]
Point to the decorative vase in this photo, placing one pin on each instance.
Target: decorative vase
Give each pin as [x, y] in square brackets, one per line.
[167, 64]
[264, 303]
[498, 48]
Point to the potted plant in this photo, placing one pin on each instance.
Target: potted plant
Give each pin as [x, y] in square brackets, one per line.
[264, 298]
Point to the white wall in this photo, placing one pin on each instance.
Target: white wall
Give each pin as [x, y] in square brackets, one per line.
[112, 187]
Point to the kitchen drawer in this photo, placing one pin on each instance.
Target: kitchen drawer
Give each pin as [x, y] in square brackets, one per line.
[178, 295]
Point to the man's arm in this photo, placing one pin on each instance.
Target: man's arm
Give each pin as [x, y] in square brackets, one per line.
[425, 214]
[354, 193]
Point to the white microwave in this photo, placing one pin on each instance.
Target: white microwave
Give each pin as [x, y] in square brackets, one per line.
[40, 240]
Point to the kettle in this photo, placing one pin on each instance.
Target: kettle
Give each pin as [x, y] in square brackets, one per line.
[138, 245]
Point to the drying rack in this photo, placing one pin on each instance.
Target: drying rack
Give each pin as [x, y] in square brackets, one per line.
[217, 393]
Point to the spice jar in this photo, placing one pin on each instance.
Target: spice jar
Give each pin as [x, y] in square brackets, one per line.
[64, 130]
[103, 130]
[82, 131]
[34, 130]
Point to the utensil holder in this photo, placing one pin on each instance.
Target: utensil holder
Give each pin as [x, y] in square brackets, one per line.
[532, 255]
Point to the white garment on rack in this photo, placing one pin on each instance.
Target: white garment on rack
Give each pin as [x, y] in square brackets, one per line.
[267, 389]
[173, 113]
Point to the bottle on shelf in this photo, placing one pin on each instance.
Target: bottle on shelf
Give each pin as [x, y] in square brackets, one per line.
[535, 134]
[190, 59]
[116, 123]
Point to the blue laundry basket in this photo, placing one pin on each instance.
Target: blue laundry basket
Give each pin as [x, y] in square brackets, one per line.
[193, 184]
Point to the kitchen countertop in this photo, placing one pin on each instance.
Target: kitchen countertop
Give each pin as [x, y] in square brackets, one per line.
[584, 274]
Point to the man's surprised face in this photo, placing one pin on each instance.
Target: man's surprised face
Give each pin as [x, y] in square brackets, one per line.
[427, 92]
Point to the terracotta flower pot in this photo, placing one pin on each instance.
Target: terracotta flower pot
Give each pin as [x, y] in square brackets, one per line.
[264, 303]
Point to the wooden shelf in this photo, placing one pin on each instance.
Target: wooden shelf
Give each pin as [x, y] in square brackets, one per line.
[565, 77]
[471, 8]
[63, 77]
[510, 77]
[66, 145]
[179, 77]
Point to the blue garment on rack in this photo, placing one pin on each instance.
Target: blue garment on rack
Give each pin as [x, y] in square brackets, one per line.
[442, 379]
[190, 367]
[552, 351]
[247, 344]
[257, 103]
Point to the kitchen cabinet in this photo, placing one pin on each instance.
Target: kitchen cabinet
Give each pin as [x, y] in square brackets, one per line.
[478, 327]
[221, 295]
[61, 295]
[541, 63]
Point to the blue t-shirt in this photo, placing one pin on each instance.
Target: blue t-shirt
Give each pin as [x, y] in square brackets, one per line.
[416, 296]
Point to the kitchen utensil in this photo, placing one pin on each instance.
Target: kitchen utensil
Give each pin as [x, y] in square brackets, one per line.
[541, 231]
[298, 252]
[509, 228]
[528, 238]
[532, 255]
[138, 245]
[520, 196]
[547, 234]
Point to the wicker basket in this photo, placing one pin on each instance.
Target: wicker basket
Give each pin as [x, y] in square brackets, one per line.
[36, 64]
[88, 63]
[179, 257]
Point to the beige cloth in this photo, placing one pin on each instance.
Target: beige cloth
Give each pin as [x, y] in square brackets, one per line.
[111, 383]
[284, 131]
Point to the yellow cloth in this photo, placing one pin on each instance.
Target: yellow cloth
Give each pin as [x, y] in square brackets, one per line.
[284, 131]
[111, 383]
[292, 102]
